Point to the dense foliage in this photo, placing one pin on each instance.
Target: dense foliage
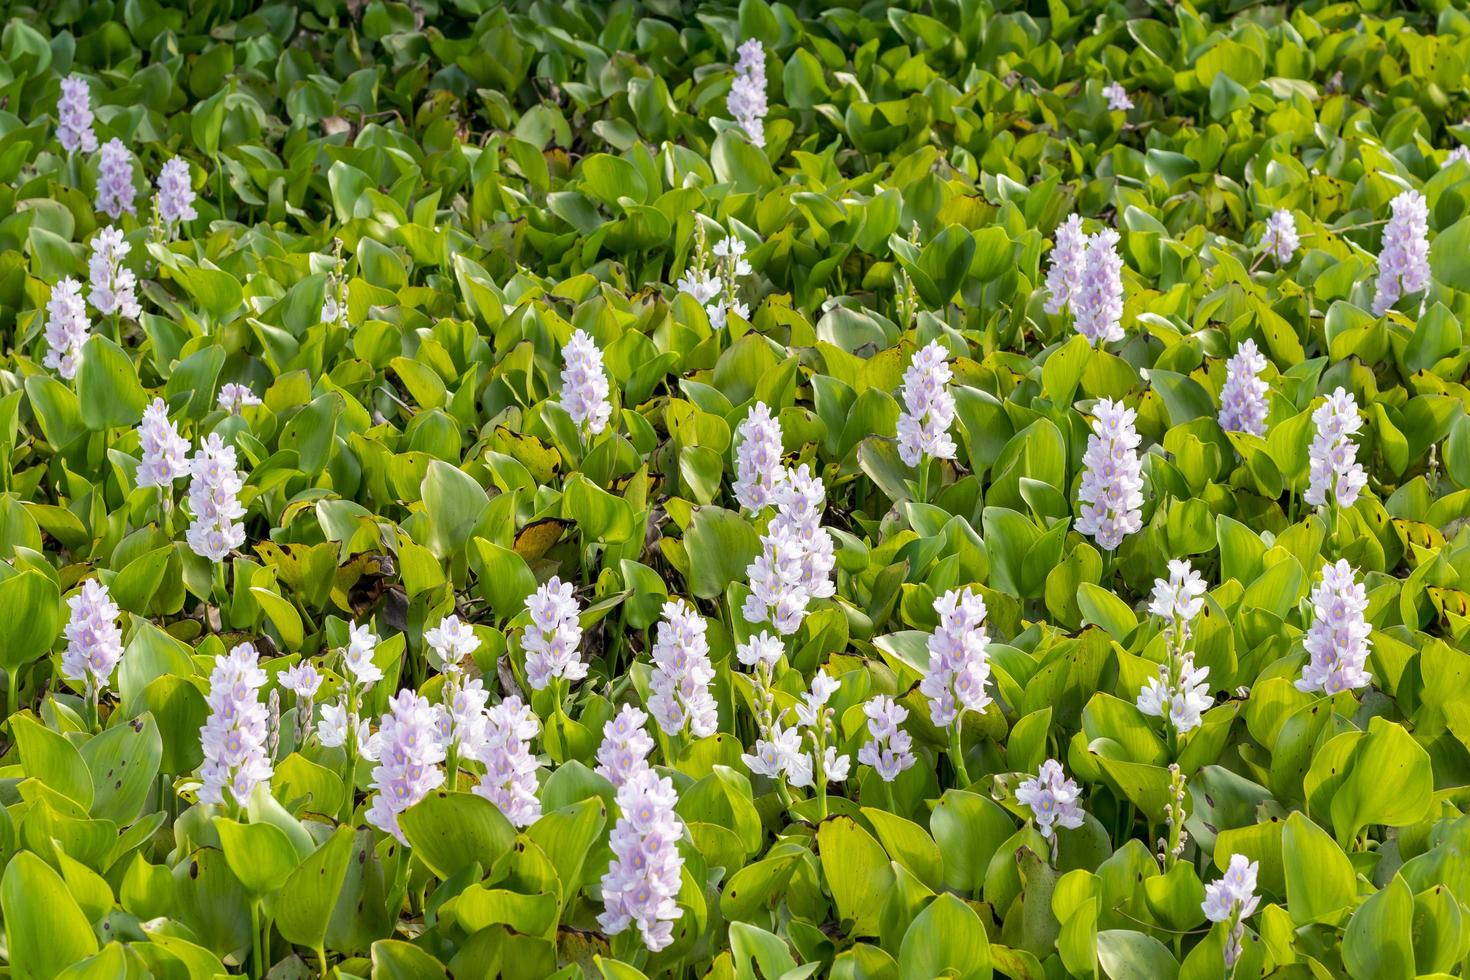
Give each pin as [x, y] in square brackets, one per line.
[953, 488]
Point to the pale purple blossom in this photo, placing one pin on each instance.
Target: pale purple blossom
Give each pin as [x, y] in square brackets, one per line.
[823, 763]
[625, 746]
[1052, 798]
[409, 750]
[890, 749]
[510, 768]
[641, 886]
[1232, 900]
[234, 736]
[1182, 698]
[74, 116]
[1281, 238]
[763, 649]
[1460, 153]
[1097, 303]
[302, 679]
[959, 665]
[800, 500]
[776, 593]
[1403, 263]
[67, 327]
[747, 98]
[928, 412]
[114, 286]
[731, 266]
[1117, 96]
[1179, 598]
[165, 452]
[1243, 396]
[552, 639]
[1111, 494]
[173, 203]
[450, 643]
[214, 500]
[1064, 274]
[234, 397]
[758, 468]
[115, 190]
[774, 752]
[1337, 642]
[94, 642]
[584, 387]
[682, 672]
[1335, 473]
[331, 730]
[358, 656]
[703, 286]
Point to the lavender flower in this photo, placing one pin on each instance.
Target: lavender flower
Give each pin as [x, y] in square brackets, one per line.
[761, 651]
[889, 751]
[1232, 900]
[234, 736]
[1111, 495]
[1337, 641]
[115, 190]
[1117, 96]
[93, 640]
[1052, 798]
[331, 730]
[731, 266]
[302, 679]
[552, 639]
[747, 98]
[1403, 264]
[823, 764]
[173, 204]
[233, 398]
[625, 746]
[584, 385]
[775, 752]
[923, 425]
[165, 452]
[682, 673]
[1181, 691]
[510, 768]
[1097, 303]
[1280, 238]
[776, 593]
[67, 327]
[358, 657]
[1243, 396]
[450, 643]
[758, 469]
[74, 116]
[114, 286]
[1179, 598]
[1064, 275]
[1335, 473]
[1460, 153]
[214, 500]
[409, 751]
[800, 500]
[959, 666]
[642, 883]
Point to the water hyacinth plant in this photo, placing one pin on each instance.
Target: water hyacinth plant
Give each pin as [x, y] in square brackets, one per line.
[705, 491]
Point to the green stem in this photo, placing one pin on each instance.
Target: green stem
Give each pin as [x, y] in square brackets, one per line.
[12, 701]
[321, 961]
[888, 795]
[221, 590]
[957, 755]
[924, 480]
[257, 957]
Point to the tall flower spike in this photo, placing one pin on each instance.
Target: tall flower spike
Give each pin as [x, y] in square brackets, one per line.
[1052, 798]
[555, 633]
[358, 656]
[1334, 472]
[1097, 304]
[114, 286]
[67, 327]
[234, 736]
[758, 468]
[1111, 494]
[115, 190]
[731, 266]
[173, 203]
[214, 500]
[776, 593]
[1181, 692]
[584, 387]
[1403, 264]
[641, 885]
[625, 746]
[1337, 641]
[1117, 96]
[1280, 238]
[450, 643]
[1178, 599]
[1243, 396]
[74, 116]
[234, 397]
[409, 751]
[923, 425]
[890, 749]
[510, 768]
[1064, 275]
[1232, 900]
[93, 640]
[165, 452]
[800, 500]
[682, 673]
[959, 665]
[747, 98]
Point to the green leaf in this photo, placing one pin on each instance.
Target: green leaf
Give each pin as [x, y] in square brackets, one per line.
[123, 762]
[44, 927]
[450, 831]
[721, 545]
[857, 872]
[260, 855]
[1378, 943]
[312, 890]
[946, 936]
[107, 386]
[49, 757]
[1320, 881]
[28, 637]
[1128, 955]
